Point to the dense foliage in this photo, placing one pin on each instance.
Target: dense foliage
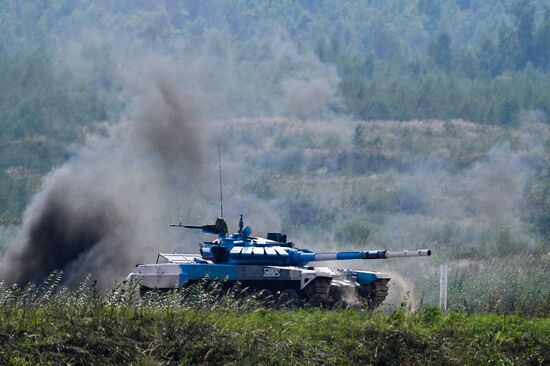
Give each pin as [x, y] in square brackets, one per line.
[478, 60]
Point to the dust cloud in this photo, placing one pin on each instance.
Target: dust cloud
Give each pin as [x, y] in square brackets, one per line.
[108, 207]
[99, 211]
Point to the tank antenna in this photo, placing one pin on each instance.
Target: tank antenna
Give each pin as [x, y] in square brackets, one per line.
[221, 192]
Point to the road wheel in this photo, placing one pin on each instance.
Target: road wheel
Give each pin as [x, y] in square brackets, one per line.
[266, 298]
[288, 299]
[245, 296]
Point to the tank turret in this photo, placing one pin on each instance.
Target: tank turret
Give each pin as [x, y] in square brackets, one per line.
[242, 248]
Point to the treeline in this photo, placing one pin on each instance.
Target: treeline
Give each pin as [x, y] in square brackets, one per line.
[37, 100]
[491, 78]
[484, 61]
[435, 94]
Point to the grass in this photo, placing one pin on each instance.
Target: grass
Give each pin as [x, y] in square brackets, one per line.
[115, 335]
[53, 325]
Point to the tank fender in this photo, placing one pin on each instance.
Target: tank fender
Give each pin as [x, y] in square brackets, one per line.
[157, 275]
[306, 278]
[308, 275]
[366, 277]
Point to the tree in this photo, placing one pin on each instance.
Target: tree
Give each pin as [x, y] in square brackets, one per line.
[541, 50]
[524, 21]
[440, 51]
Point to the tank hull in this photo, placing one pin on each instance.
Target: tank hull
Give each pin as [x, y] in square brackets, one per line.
[287, 285]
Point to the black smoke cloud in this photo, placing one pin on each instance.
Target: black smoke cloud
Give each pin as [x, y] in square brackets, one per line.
[101, 211]
[61, 232]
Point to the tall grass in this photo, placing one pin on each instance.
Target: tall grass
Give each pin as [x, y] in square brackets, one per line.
[49, 324]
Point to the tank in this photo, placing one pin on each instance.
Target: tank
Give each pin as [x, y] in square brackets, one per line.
[272, 269]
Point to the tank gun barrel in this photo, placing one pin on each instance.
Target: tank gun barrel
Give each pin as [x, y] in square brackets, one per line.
[408, 253]
[371, 254]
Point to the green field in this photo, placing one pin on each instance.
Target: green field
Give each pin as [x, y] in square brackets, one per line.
[76, 327]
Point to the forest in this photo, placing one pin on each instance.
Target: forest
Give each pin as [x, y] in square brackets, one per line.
[347, 125]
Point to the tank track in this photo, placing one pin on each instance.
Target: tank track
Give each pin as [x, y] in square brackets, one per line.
[289, 296]
[317, 292]
[270, 294]
[321, 292]
[346, 294]
[375, 293]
